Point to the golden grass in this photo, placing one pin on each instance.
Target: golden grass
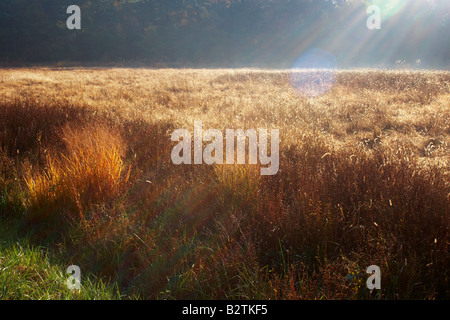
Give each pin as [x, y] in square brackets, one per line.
[363, 179]
[92, 171]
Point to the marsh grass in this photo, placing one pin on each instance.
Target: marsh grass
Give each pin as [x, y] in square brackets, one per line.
[91, 172]
[363, 180]
[30, 272]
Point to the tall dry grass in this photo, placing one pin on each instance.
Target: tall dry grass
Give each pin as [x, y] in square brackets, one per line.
[91, 171]
[363, 179]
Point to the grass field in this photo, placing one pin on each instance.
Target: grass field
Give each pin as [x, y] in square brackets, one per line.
[86, 173]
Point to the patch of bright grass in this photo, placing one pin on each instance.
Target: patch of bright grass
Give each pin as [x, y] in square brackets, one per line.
[28, 273]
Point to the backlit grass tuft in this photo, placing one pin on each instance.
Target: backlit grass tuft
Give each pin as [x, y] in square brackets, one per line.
[91, 171]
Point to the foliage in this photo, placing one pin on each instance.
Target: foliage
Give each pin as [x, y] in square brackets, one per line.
[214, 32]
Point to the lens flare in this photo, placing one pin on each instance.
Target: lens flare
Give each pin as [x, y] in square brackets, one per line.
[314, 73]
[389, 8]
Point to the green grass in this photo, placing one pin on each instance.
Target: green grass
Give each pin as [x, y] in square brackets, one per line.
[28, 273]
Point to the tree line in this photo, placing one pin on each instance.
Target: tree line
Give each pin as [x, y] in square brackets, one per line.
[200, 32]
